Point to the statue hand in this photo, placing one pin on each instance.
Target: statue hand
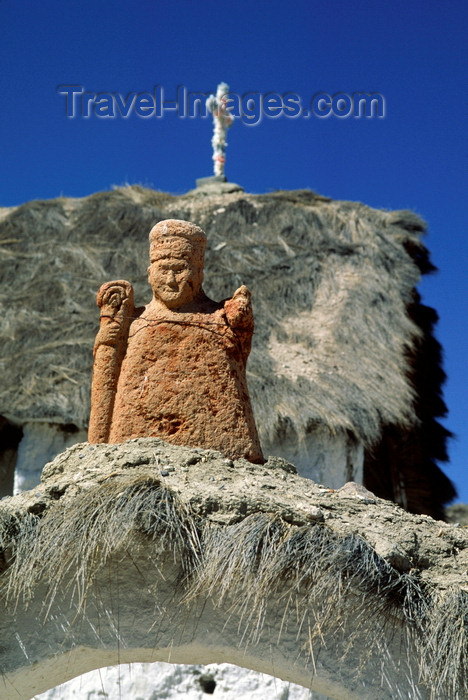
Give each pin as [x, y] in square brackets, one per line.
[242, 292]
[115, 300]
[239, 308]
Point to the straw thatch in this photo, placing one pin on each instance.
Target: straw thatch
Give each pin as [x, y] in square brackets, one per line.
[341, 339]
[323, 559]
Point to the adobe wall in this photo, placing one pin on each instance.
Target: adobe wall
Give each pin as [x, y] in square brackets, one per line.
[147, 552]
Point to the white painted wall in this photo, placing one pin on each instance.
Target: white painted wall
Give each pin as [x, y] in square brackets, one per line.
[331, 460]
[41, 442]
[174, 682]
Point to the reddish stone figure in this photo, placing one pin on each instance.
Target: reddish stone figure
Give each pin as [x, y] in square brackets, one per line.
[174, 369]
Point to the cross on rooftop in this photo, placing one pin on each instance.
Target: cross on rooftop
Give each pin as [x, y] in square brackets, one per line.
[222, 121]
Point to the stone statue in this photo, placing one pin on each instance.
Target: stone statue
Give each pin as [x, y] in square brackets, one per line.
[174, 369]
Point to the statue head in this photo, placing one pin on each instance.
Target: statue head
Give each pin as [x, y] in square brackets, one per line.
[177, 251]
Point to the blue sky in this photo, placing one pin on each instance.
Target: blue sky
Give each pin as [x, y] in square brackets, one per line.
[412, 52]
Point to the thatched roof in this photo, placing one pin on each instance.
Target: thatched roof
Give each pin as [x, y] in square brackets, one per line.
[332, 283]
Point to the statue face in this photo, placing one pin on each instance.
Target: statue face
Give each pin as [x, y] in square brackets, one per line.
[175, 281]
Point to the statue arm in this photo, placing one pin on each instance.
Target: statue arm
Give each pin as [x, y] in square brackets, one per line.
[115, 300]
[239, 315]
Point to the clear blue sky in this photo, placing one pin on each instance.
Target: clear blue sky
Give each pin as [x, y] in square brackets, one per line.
[412, 52]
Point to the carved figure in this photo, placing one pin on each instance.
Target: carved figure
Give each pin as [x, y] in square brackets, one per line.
[174, 369]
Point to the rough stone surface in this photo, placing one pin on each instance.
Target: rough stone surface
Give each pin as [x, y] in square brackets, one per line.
[209, 188]
[176, 368]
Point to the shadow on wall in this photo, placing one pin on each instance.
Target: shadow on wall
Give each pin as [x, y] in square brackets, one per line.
[24, 450]
[10, 437]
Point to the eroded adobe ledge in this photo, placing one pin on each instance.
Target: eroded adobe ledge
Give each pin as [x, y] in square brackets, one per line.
[150, 552]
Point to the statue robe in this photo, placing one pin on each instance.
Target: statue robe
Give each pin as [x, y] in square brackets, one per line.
[183, 379]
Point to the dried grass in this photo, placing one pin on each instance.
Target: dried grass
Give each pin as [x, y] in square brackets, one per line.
[72, 541]
[325, 583]
[339, 268]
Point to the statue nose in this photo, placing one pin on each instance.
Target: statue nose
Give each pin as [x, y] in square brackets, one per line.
[171, 280]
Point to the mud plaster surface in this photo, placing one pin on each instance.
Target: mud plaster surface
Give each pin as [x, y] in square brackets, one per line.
[226, 492]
